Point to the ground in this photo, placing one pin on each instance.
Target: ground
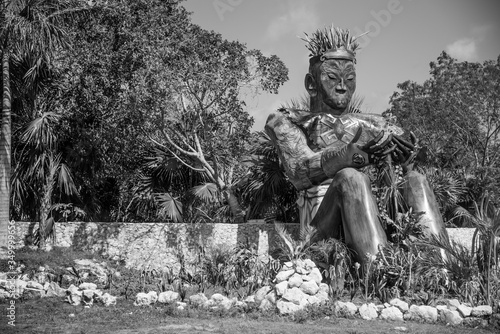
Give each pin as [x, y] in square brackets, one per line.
[52, 315]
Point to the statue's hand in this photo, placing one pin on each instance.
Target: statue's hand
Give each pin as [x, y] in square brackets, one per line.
[405, 152]
[375, 149]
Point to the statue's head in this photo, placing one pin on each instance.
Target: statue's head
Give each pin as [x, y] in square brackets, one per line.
[331, 80]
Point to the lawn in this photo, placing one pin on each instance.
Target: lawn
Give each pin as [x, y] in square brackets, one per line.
[53, 315]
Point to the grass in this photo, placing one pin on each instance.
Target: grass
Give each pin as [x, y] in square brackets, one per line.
[53, 315]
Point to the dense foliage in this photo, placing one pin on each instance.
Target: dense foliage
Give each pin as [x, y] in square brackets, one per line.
[455, 114]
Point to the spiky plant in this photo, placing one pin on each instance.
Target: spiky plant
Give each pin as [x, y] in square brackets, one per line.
[290, 248]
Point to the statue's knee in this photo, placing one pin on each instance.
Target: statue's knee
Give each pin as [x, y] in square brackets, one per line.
[351, 176]
[415, 178]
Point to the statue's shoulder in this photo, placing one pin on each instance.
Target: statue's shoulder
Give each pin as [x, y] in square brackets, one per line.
[288, 115]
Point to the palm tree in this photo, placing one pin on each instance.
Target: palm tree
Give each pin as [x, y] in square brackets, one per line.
[40, 173]
[27, 27]
[266, 189]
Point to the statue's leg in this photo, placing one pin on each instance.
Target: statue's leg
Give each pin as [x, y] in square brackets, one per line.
[420, 197]
[349, 204]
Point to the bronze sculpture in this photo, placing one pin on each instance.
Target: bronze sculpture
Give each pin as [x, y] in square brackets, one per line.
[322, 150]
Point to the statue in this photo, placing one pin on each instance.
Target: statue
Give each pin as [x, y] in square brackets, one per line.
[324, 148]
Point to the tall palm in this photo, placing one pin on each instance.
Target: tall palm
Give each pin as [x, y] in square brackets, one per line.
[40, 173]
[34, 27]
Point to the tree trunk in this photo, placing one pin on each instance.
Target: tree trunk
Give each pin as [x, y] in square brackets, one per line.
[234, 205]
[5, 150]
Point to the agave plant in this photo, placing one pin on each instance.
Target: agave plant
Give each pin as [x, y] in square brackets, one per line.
[290, 248]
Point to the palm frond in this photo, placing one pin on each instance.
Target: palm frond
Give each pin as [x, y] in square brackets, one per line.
[169, 207]
[207, 192]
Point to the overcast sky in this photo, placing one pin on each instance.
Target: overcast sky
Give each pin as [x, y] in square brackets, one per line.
[404, 36]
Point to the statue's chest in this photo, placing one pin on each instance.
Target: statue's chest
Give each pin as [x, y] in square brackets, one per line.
[328, 131]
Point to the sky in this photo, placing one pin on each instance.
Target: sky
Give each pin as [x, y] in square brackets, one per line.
[404, 36]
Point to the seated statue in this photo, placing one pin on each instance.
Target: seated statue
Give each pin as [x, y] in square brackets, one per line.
[323, 149]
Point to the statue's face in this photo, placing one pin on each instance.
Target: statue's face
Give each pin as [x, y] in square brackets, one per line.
[334, 83]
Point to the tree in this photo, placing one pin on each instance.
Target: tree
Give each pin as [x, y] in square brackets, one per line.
[114, 79]
[204, 124]
[31, 28]
[455, 114]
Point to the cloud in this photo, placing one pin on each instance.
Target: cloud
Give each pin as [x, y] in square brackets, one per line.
[299, 18]
[463, 49]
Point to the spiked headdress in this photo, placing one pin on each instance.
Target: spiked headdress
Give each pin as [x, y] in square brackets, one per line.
[331, 43]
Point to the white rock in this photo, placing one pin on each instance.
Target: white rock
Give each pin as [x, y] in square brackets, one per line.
[285, 307]
[324, 287]
[251, 299]
[424, 312]
[153, 296]
[19, 286]
[295, 295]
[34, 285]
[322, 296]
[266, 305]
[88, 297]
[309, 264]
[281, 288]
[402, 305]
[392, 313]
[306, 278]
[310, 288]
[442, 307]
[87, 286]
[54, 290]
[71, 289]
[368, 311]
[450, 317]
[218, 298]
[226, 303]
[301, 271]
[313, 300]
[198, 300]
[142, 298]
[283, 275]
[260, 295]
[272, 297]
[464, 310]
[315, 275]
[107, 300]
[481, 311]
[287, 265]
[453, 304]
[74, 297]
[168, 297]
[295, 281]
[240, 304]
[347, 308]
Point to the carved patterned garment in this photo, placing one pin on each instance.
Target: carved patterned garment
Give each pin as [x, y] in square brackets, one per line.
[329, 131]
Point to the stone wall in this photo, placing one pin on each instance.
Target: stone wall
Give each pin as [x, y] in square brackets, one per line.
[159, 245]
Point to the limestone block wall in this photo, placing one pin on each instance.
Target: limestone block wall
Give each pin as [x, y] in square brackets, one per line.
[160, 245]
